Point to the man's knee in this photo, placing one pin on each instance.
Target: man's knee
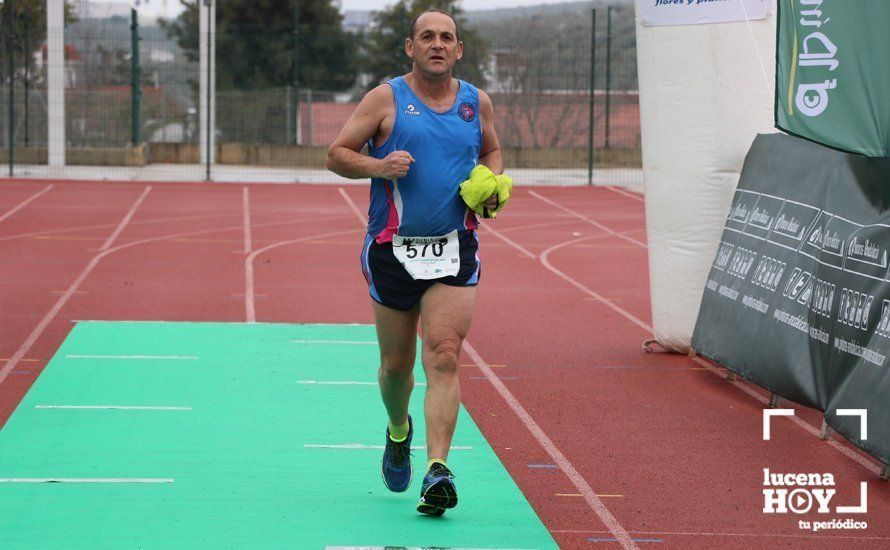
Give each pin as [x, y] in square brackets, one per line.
[442, 353]
[396, 367]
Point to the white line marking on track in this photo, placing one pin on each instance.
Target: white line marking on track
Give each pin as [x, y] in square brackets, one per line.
[589, 495]
[588, 220]
[335, 342]
[602, 299]
[25, 203]
[574, 476]
[361, 217]
[245, 201]
[363, 447]
[345, 383]
[85, 480]
[60, 303]
[329, 547]
[114, 407]
[633, 196]
[510, 242]
[719, 534]
[857, 457]
[148, 357]
[249, 301]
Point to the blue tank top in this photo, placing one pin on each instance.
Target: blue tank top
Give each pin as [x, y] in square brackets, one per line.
[445, 147]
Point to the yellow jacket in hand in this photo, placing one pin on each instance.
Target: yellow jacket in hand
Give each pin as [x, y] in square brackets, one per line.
[483, 184]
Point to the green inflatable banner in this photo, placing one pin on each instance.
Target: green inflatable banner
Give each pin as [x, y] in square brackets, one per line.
[833, 73]
[798, 296]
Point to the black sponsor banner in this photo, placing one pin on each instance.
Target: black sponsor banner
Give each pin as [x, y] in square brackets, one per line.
[798, 297]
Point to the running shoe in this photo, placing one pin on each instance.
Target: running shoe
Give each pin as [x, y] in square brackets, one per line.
[396, 466]
[438, 492]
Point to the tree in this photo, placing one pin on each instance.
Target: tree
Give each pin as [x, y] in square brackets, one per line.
[384, 56]
[27, 15]
[255, 43]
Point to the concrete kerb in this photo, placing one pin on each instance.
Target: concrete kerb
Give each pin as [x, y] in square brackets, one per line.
[616, 177]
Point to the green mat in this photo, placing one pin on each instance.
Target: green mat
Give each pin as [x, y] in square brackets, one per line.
[219, 435]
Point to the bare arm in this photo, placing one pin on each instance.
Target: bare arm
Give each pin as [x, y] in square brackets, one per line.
[344, 156]
[490, 154]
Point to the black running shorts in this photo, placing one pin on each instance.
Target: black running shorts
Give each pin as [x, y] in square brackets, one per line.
[389, 284]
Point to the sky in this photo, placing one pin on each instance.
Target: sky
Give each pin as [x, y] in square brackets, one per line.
[170, 8]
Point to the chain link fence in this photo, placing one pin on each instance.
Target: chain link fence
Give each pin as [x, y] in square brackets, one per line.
[283, 91]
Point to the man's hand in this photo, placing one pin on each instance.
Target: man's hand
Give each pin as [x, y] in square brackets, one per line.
[395, 165]
[491, 203]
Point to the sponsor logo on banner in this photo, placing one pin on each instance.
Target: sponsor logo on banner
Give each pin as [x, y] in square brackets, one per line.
[816, 50]
[696, 12]
[814, 494]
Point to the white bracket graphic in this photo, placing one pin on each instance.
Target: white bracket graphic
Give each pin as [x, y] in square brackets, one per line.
[863, 420]
[767, 416]
[863, 502]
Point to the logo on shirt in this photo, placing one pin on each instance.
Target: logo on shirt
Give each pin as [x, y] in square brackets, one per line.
[411, 110]
[467, 112]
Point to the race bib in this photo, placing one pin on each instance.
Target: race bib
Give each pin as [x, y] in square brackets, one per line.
[428, 257]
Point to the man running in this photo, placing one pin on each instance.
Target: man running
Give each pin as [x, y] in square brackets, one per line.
[425, 131]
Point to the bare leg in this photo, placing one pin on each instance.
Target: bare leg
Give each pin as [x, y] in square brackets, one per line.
[445, 313]
[397, 336]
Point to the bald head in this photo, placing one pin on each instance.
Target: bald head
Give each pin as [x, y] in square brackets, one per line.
[431, 13]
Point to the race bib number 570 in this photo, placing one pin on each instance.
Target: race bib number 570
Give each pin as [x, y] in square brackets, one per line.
[428, 257]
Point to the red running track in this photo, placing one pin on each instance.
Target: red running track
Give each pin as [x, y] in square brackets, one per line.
[646, 448]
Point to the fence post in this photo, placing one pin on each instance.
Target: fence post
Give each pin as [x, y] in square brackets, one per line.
[10, 58]
[287, 114]
[136, 77]
[296, 75]
[590, 99]
[27, 52]
[608, 71]
[309, 117]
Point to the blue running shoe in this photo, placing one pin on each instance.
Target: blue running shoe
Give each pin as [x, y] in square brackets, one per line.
[396, 465]
[438, 492]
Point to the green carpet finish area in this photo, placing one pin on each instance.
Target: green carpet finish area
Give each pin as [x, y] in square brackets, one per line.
[226, 435]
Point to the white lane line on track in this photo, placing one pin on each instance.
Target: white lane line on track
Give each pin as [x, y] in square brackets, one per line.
[137, 357]
[345, 383]
[245, 205]
[858, 457]
[574, 476]
[633, 196]
[249, 297]
[511, 243]
[335, 342]
[112, 407]
[86, 480]
[363, 447]
[60, 303]
[361, 217]
[584, 218]
[26, 202]
[73, 288]
[719, 534]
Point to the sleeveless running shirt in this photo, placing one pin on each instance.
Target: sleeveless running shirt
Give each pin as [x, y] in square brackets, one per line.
[445, 147]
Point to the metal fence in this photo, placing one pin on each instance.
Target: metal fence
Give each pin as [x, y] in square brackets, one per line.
[280, 102]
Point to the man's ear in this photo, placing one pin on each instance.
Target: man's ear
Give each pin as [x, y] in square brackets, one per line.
[409, 47]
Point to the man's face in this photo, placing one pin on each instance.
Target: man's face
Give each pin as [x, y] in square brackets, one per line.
[435, 48]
